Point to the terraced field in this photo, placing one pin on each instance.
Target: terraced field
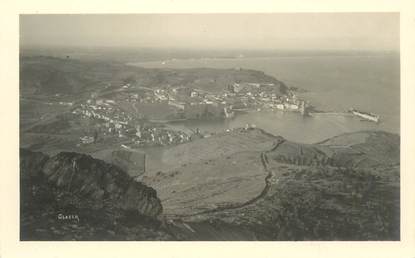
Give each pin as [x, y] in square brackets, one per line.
[317, 192]
[226, 181]
[222, 171]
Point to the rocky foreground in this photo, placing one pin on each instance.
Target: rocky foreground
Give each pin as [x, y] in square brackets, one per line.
[72, 196]
[344, 188]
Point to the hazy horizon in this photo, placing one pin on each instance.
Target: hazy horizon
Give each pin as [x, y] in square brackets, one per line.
[282, 31]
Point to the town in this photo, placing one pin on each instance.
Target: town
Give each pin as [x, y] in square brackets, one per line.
[142, 114]
[112, 122]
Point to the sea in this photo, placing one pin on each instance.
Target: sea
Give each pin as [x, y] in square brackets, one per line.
[332, 83]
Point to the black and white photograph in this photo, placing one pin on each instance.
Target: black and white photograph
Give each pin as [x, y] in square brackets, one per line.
[210, 126]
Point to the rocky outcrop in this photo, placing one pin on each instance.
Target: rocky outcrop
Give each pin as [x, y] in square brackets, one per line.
[89, 182]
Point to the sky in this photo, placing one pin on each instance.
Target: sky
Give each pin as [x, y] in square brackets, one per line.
[294, 31]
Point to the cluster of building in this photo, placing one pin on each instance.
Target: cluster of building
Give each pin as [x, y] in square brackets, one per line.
[287, 104]
[114, 120]
[145, 97]
[197, 104]
[264, 95]
[110, 121]
[193, 103]
[158, 136]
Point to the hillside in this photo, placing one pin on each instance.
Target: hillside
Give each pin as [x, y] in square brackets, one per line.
[42, 75]
[253, 186]
[326, 191]
[353, 150]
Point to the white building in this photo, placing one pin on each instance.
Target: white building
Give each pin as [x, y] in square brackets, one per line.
[86, 139]
[291, 106]
[280, 106]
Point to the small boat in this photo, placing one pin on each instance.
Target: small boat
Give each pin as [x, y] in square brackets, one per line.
[365, 115]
